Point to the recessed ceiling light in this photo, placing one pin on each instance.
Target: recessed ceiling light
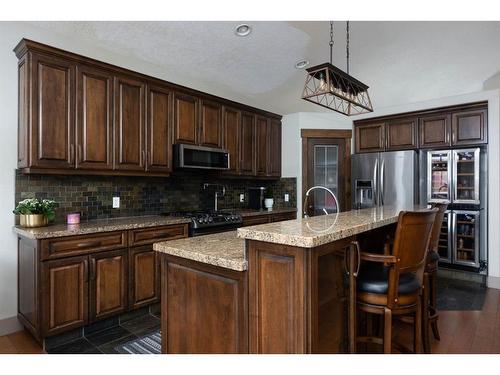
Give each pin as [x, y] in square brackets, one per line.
[243, 30]
[301, 64]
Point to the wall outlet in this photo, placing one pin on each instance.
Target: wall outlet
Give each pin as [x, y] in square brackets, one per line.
[116, 202]
[242, 198]
[287, 197]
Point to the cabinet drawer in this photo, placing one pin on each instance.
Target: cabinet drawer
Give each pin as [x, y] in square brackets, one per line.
[150, 235]
[256, 220]
[77, 245]
[285, 216]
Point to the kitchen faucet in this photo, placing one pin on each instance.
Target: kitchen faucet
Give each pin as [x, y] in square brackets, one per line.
[205, 186]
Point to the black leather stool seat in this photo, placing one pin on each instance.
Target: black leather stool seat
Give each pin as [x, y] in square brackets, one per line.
[373, 278]
[432, 256]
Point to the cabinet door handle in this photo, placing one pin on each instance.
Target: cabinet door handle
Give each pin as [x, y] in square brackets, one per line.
[92, 269]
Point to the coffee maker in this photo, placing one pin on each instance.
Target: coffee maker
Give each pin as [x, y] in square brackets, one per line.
[256, 197]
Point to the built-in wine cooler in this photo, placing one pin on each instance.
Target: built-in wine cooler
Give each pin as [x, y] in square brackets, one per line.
[457, 177]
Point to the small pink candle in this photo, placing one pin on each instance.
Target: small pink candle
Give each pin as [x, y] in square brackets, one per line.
[73, 218]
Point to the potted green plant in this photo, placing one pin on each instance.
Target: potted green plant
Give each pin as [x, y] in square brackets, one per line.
[269, 198]
[34, 212]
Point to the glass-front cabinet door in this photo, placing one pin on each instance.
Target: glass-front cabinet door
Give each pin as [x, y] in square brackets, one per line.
[326, 160]
[466, 176]
[466, 237]
[439, 176]
[445, 244]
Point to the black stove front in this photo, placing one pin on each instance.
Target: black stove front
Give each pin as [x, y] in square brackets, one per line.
[208, 222]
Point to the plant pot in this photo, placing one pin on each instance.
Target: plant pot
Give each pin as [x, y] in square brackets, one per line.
[268, 203]
[33, 220]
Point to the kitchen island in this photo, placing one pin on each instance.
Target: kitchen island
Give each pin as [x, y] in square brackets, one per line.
[288, 293]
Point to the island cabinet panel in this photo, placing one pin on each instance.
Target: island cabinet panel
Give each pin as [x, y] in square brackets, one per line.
[274, 139]
[277, 298]
[108, 284]
[469, 127]
[129, 124]
[64, 294]
[204, 308]
[94, 98]
[28, 284]
[435, 130]
[370, 137]
[53, 136]
[159, 129]
[298, 298]
[248, 149]
[144, 287]
[401, 134]
[210, 124]
[185, 119]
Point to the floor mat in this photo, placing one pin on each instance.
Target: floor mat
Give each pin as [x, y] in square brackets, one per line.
[460, 295]
[149, 344]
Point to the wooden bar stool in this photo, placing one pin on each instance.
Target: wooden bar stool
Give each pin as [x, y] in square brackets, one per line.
[391, 285]
[429, 311]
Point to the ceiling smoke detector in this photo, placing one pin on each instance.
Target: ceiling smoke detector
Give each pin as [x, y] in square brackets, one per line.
[243, 30]
[301, 64]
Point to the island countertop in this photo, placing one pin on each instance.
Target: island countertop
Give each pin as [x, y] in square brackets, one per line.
[224, 250]
[320, 230]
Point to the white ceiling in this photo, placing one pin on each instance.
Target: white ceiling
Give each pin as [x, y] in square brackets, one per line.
[402, 62]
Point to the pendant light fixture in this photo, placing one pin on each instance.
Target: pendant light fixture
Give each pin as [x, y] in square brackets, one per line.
[332, 88]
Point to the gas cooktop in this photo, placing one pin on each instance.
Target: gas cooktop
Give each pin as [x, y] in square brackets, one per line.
[206, 222]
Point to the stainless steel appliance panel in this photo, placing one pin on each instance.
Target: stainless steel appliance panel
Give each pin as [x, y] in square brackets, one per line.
[365, 179]
[398, 178]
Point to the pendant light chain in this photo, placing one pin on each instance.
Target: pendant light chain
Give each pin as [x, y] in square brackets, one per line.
[331, 42]
[347, 46]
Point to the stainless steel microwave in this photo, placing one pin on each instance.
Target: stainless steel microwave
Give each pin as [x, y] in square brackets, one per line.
[199, 157]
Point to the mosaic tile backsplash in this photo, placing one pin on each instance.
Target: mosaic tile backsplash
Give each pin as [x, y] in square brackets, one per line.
[92, 195]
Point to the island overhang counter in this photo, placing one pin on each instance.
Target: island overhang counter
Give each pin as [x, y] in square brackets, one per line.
[271, 288]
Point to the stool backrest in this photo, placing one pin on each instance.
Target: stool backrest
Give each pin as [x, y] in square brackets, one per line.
[410, 247]
[436, 227]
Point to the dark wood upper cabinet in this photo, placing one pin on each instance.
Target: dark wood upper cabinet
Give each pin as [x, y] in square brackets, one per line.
[64, 294]
[231, 138]
[262, 145]
[144, 279]
[248, 150]
[210, 124]
[370, 137]
[435, 130]
[159, 129]
[185, 119]
[108, 283]
[401, 134]
[274, 134]
[94, 144]
[130, 117]
[469, 127]
[52, 133]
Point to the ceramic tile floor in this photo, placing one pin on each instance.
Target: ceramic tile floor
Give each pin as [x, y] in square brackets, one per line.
[105, 341]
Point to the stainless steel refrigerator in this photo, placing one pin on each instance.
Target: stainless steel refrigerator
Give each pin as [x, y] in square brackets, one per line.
[384, 178]
[458, 177]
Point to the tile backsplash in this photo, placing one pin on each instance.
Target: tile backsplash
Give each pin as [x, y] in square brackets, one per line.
[92, 195]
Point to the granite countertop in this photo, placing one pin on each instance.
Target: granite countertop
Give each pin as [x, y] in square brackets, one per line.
[246, 212]
[95, 226]
[221, 249]
[319, 230]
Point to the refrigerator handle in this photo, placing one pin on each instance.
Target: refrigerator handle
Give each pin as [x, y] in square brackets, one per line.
[382, 172]
[375, 187]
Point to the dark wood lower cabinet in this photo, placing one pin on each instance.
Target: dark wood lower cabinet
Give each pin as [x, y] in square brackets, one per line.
[268, 218]
[204, 308]
[144, 287]
[64, 294]
[108, 284]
